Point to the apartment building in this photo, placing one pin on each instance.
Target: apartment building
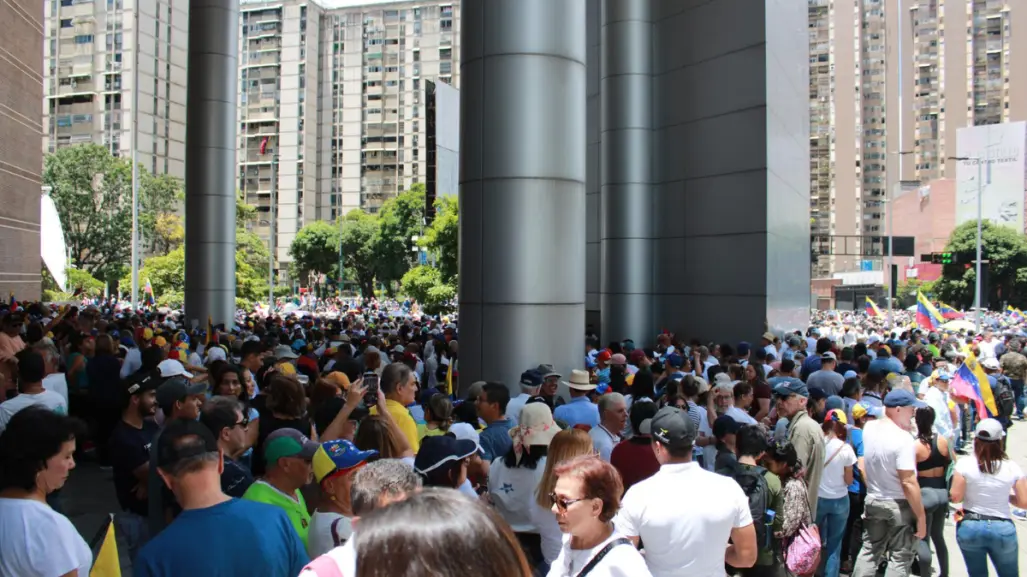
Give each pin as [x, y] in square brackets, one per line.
[336, 95]
[901, 76]
[91, 72]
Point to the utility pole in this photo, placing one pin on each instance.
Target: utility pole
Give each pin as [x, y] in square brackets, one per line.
[271, 236]
[135, 162]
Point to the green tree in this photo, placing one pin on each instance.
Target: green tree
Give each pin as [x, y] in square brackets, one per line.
[908, 288]
[92, 191]
[160, 227]
[400, 219]
[166, 274]
[1006, 251]
[244, 213]
[425, 285]
[359, 246]
[442, 238]
[316, 250]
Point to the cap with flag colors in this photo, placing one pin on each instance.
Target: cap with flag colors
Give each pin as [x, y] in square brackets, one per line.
[927, 317]
[1015, 313]
[872, 310]
[971, 382]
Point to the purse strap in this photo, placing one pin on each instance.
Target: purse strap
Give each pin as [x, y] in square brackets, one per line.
[834, 454]
[602, 553]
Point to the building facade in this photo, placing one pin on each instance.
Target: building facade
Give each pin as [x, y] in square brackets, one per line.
[891, 76]
[337, 97]
[21, 161]
[91, 72]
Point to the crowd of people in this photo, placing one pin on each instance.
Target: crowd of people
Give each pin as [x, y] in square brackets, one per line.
[318, 446]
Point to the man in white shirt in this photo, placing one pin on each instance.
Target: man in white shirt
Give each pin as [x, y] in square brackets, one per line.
[613, 416]
[54, 380]
[685, 514]
[893, 495]
[531, 382]
[31, 370]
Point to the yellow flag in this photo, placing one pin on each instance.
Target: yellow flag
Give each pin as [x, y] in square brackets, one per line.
[107, 563]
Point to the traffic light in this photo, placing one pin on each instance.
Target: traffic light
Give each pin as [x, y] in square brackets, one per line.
[944, 258]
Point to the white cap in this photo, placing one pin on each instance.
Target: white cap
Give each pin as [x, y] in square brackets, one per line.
[464, 431]
[216, 354]
[173, 368]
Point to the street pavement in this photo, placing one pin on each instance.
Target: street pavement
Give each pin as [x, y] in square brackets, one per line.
[88, 498]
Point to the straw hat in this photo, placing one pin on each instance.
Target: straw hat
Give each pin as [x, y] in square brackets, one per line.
[579, 381]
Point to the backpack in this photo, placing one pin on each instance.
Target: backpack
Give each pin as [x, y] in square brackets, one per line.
[1004, 398]
[755, 487]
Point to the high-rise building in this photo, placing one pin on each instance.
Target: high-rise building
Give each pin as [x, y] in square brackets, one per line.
[337, 95]
[960, 65]
[20, 94]
[92, 69]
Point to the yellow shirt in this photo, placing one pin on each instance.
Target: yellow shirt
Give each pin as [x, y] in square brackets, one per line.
[404, 421]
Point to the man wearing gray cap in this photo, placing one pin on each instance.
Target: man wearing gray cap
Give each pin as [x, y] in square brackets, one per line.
[684, 512]
[791, 396]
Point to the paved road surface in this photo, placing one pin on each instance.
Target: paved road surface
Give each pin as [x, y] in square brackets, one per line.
[89, 497]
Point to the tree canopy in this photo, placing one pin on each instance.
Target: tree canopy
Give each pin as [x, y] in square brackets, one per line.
[442, 238]
[359, 232]
[400, 219]
[1006, 251]
[316, 250]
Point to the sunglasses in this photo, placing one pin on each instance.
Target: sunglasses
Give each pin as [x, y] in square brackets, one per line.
[245, 422]
[564, 504]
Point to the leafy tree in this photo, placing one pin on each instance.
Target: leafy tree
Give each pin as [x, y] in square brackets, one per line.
[253, 250]
[244, 213]
[442, 238]
[92, 191]
[425, 285]
[166, 274]
[908, 288]
[1006, 251]
[80, 279]
[167, 233]
[316, 250]
[160, 227]
[359, 236]
[400, 218]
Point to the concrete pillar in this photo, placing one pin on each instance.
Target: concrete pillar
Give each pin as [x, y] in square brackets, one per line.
[522, 187]
[626, 118]
[210, 161]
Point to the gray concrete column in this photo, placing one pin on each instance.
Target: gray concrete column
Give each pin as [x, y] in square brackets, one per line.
[626, 175]
[210, 161]
[522, 187]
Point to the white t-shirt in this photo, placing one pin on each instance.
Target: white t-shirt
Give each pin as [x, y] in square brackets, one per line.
[603, 441]
[621, 561]
[36, 541]
[512, 492]
[887, 449]
[513, 408]
[988, 494]
[49, 399]
[132, 363]
[320, 538]
[57, 383]
[832, 480]
[344, 558]
[549, 530]
[684, 536]
[740, 416]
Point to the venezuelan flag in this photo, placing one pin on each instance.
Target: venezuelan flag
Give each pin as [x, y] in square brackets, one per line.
[927, 317]
[971, 382]
[148, 294]
[949, 312]
[872, 310]
[1015, 313]
[105, 552]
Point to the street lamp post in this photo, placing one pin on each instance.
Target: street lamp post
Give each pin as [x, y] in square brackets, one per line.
[980, 196]
[271, 237]
[890, 201]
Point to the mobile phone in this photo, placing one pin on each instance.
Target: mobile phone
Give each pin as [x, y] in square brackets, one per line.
[371, 382]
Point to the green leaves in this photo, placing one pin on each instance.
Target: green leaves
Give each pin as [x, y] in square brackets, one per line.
[442, 238]
[425, 285]
[400, 219]
[1006, 251]
[316, 250]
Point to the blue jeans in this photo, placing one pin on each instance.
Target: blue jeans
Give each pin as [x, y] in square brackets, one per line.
[832, 515]
[979, 540]
[1018, 394]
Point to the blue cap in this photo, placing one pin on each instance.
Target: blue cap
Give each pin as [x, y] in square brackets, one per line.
[675, 360]
[791, 386]
[816, 393]
[851, 375]
[531, 378]
[902, 398]
[743, 348]
[298, 344]
[834, 402]
[725, 425]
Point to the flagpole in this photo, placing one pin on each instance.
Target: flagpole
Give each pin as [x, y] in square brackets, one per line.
[271, 237]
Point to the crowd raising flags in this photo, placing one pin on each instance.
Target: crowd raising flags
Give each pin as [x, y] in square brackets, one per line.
[971, 382]
[872, 310]
[1015, 313]
[949, 312]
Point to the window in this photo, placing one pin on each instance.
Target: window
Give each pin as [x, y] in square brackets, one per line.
[84, 39]
[65, 22]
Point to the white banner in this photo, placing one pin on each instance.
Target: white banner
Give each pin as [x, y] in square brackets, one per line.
[1001, 148]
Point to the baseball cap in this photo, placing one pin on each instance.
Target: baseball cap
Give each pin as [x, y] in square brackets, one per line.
[828, 356]
[141, 382]
[990, 364]
[864, 409]
[465, 432]
[437, 451]
[838, 416]
[816, 393]
[902, 398]
[636, 356]
[548, 371]
[851, 375]
[605, 355]
[177, 388]
[618, 359]
[171, 368]
[339, 455]
[675, 360]
[725, 425]
[285, 352]
[672, 427]
[989, 430]
[531, 378]
[288, 443]
[183, 439]
[789, 386]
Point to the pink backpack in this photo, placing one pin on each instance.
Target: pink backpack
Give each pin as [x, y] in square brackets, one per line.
[802, 553]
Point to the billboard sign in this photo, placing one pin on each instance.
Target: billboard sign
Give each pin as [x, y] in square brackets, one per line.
[999, 149]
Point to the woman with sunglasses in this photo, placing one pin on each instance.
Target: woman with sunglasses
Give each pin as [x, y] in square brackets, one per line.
[982, 482]
[585, 500]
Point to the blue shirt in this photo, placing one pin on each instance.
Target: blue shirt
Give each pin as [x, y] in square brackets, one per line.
[856, 440]
[495, 439]
[578, 411]
[252, 539]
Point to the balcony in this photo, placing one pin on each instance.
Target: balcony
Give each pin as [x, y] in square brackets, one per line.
[258, 59]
